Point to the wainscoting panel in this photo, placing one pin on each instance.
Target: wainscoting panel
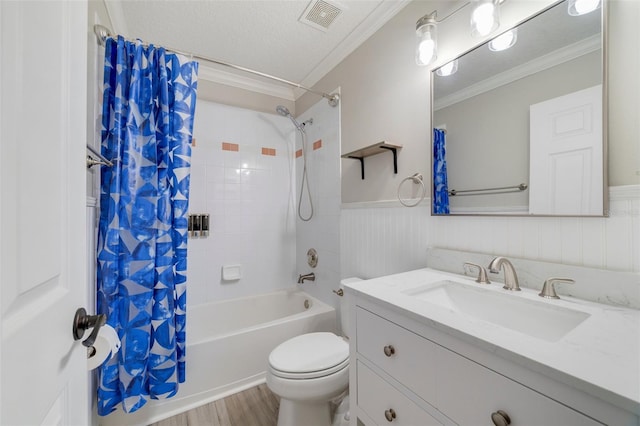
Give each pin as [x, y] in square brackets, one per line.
[382, 238]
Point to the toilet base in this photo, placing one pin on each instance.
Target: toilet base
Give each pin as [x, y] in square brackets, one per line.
[296, 413]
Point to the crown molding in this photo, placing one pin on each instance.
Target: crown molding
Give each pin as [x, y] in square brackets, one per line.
[385, 11]
[541, 63]
[206, 71]
[380, 16]
[215, 75]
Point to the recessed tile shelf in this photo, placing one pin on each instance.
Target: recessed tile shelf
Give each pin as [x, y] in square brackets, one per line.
[361, 154]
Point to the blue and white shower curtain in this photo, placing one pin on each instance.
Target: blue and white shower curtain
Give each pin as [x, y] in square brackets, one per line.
[440, 186]
[147, 122]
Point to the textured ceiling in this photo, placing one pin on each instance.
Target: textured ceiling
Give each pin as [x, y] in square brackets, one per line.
[262, 35]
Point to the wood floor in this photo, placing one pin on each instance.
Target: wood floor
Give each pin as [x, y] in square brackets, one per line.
[257, 406]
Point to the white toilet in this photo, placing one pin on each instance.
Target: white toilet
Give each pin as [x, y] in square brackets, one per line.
[308, 371]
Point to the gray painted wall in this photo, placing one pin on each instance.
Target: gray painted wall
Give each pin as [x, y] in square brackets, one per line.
[488, 134]
[385, 96]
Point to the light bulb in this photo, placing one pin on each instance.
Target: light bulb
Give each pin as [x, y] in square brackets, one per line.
[504, 41]
[484, 18]
[427, 50]
[426, 47]
[448, 69]
[581, 7]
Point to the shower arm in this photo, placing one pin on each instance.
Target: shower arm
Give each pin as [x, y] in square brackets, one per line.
[103, 33]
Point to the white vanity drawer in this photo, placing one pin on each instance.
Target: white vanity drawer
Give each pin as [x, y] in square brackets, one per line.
[469, 393]
[384, 404]
[407, 357]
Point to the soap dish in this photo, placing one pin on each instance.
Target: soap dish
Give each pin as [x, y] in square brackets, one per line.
[231, 272]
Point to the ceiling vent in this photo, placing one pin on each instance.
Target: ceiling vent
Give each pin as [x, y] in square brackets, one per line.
[320, 14]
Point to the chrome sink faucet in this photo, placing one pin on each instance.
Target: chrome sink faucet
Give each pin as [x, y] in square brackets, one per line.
[510, 277]
[306, 277]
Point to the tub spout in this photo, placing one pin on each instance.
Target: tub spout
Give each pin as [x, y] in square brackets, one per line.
[306, 277]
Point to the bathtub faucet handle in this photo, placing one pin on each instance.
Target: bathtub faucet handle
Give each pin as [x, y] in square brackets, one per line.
[306, 277]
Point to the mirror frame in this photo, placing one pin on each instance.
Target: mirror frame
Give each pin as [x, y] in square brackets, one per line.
[605, 117]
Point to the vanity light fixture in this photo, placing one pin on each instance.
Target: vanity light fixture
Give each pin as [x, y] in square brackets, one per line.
[448, 69]
[581, 7]
[427, 39]
[504, 41]
[484, 20]
[485, 17]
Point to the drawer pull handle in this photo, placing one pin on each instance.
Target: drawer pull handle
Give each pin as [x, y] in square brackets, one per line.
[390, 414]
[389, 350]
[500, 418]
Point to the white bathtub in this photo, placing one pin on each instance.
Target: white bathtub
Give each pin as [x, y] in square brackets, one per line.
[228, 344]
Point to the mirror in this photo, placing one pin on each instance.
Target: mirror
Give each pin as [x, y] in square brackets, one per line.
[524, 127]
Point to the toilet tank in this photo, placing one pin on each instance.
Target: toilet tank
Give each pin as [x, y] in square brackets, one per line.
[344, 306]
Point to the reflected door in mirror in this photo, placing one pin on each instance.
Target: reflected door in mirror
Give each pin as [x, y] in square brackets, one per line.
[566, 155]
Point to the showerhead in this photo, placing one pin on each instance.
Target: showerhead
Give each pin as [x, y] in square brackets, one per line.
[282, 110]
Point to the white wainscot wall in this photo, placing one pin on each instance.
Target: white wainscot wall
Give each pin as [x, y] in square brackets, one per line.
[384, 238]
[248, 194]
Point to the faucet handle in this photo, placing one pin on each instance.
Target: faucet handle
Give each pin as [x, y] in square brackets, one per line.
[482, 273]
[548, 289]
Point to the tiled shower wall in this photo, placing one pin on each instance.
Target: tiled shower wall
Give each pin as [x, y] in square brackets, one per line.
[383, 238]
[242, 175]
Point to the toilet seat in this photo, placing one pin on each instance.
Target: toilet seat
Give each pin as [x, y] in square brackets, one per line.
[309, 356]
[310, 374]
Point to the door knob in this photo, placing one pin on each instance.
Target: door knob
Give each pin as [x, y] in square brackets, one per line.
[82, 322]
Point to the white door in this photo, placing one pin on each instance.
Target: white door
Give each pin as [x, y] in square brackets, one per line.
[43, 378]
[566, 171]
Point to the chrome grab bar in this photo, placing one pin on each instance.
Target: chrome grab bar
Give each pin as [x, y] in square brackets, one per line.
[486, 191]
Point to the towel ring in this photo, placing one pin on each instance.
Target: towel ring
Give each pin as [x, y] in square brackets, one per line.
[417, 179]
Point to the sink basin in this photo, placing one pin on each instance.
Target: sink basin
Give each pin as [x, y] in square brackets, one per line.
[537, 319]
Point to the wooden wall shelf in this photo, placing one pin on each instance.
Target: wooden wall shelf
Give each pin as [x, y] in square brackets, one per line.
[377, 148]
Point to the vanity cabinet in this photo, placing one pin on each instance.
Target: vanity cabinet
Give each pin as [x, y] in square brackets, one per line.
[470, 393]
[403, 373]
[383, 403]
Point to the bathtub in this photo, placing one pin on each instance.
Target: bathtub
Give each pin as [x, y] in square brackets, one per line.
[228, 344]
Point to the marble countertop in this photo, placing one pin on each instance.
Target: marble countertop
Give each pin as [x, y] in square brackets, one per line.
[600, 356]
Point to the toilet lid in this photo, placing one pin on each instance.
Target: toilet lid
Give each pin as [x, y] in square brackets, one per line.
[308, 353]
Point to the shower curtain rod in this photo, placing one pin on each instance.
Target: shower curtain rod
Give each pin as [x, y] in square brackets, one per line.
[103, 33]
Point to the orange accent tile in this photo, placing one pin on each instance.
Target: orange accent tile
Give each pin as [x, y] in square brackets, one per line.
[317, 144]
[193, 142]
[273, 151]
[226, 146]
[298, 153]
[268, 151]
